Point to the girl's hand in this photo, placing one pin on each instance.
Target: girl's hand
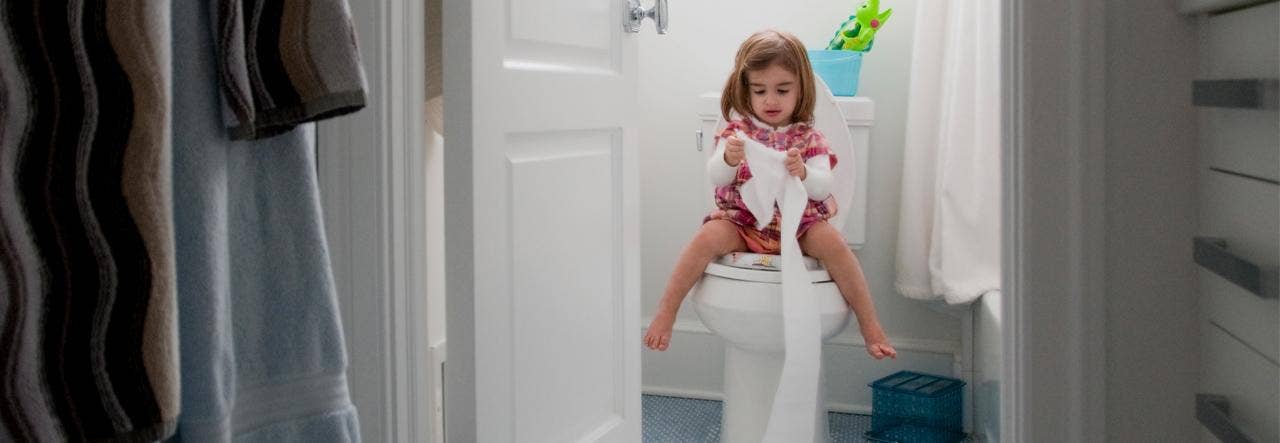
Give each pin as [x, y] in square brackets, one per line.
[795, 165]
[733, 151]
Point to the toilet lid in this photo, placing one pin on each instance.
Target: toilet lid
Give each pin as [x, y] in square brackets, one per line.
[829, 119]
[763, 268]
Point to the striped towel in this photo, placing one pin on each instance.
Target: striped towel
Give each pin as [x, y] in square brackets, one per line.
[284, 62]
[88, 314]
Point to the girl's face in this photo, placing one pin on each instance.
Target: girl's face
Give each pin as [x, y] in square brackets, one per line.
[774, 93]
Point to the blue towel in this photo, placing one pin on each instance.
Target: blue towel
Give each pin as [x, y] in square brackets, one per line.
[261, 344]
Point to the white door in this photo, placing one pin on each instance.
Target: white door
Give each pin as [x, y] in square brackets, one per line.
[554, 339]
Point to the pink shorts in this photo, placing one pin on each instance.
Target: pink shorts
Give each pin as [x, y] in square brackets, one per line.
[759, 242]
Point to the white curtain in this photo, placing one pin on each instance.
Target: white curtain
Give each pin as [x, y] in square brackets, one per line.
[949, 237]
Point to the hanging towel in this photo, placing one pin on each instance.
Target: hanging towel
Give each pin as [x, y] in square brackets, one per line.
[262, 346]
[87, 317]
[284, 62]
[97, 260]
[949, 224]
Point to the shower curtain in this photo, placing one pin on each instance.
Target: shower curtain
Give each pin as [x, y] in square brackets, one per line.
[949, 224]
[163, 269]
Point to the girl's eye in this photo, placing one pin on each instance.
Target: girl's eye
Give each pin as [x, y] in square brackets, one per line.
[782, 91]
[757, 92]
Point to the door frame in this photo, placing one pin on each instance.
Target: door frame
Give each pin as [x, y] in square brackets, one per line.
[1054, 366]
[1053, 383]
[374, 194]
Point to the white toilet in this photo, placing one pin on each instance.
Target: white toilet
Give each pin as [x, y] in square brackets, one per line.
[739, 295]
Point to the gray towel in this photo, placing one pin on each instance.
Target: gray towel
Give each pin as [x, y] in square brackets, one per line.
[262, 346]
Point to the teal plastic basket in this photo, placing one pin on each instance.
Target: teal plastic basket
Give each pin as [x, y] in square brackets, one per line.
[911, 433]
[910, 406]
[839, 69]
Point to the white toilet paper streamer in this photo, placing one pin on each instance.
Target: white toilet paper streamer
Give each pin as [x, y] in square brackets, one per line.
[795, 404]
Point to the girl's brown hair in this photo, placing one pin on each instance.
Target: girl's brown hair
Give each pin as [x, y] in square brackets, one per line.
[757, 52]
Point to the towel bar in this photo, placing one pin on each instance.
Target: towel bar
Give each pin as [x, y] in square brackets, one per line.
[1249, 93]
[1212, 254]
[1213, 411]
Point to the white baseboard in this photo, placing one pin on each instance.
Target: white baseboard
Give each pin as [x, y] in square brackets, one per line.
[683, 393]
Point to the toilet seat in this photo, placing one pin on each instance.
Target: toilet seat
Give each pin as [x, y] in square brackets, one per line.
[817, 273]
[768, 262]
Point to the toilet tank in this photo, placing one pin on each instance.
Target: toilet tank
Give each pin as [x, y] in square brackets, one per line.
[859, 113]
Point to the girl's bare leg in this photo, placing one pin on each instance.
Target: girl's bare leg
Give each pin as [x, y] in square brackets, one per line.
[823, 242]
[713, 239]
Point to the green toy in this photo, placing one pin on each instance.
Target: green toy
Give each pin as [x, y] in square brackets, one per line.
[858, 32]
[837, 40]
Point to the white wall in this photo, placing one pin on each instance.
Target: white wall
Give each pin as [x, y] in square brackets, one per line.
[1152, 343]
[694, 58]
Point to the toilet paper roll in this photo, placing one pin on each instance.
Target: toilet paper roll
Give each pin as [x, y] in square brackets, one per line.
[768, 177]
[793, 415]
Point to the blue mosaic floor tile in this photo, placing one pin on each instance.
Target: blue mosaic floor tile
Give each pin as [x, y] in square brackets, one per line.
[687, 420]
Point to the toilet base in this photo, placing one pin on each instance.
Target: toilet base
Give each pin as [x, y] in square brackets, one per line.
[750, 380]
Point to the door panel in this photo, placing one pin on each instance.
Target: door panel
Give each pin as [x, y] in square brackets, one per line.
[556, 225]
[1239, 45]
[570, 382]
[1247, 380]
[545, 22]
[1244, 213]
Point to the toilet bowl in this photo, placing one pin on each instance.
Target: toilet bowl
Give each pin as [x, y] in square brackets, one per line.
[744, 307]
[739, 297]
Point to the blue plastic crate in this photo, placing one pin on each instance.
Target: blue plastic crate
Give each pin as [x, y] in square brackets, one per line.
[910, 406]
[910, 433]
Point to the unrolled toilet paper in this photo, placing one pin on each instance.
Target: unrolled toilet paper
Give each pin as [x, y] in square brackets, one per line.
[795, 403]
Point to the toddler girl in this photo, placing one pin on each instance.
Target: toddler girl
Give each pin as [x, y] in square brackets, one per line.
[770, 98]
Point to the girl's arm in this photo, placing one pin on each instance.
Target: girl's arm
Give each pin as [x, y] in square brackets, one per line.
[719, 172]
[817, 180]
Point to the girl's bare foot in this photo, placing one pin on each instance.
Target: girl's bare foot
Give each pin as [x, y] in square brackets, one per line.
[878, 344]
[658, 337]
[882, 350]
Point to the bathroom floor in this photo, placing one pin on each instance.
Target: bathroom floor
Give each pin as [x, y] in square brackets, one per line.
[677, 419]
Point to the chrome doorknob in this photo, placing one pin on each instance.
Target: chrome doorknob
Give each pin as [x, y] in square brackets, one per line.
[637, 13]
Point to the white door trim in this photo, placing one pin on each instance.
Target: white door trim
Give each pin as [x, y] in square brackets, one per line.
[459, 247]
[373, 189]
[1053, 383]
